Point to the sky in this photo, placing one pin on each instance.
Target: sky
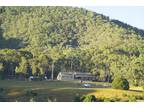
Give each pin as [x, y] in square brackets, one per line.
[133, 15]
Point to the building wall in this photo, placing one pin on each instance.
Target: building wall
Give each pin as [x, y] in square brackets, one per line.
[67, 78]
[74, 76]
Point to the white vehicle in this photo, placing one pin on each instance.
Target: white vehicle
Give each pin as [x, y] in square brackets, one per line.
[87, 85]
[45, 77]
[31, 78]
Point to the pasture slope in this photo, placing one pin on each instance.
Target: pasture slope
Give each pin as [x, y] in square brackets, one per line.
[65, 91]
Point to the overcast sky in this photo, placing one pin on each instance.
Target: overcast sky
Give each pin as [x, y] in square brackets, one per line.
[131, 14]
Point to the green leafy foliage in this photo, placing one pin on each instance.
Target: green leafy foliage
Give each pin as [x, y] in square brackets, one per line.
[85, 98]
[120, 83]
[54, 39]
[88, 98]
[132, 99]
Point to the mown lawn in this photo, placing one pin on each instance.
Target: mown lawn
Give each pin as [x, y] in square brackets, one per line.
[65, 91]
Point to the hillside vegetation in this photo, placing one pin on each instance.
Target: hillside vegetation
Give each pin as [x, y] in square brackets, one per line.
[45, 40]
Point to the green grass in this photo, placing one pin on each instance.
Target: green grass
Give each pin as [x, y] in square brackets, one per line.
[64, 90]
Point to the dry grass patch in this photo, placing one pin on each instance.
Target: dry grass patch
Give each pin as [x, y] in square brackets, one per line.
[110, 93]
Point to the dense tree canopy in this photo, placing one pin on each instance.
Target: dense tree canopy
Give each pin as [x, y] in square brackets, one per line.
[52, 39]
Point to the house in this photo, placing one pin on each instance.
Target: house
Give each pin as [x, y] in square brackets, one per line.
[67, 76]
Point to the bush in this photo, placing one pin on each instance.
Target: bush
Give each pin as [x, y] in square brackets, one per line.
[139, 97]
[132, 99]
[120, 83]
[112, 99]
[88, 98]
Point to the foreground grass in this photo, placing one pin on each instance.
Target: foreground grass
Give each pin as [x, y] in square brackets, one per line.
[123, 95]
[65, 90]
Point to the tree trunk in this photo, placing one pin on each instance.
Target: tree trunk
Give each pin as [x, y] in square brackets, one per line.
[52, 76]
[71, 64]
[107, 73]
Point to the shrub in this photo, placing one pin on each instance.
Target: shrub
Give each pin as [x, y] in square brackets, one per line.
[115, 99]
[139, 97]
[120, 83]
[132, 98]
[88, 98]
[112, 99]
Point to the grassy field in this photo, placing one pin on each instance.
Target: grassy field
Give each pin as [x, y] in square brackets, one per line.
[65, 90]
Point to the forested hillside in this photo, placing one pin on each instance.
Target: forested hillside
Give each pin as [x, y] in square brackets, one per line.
[45, 40]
